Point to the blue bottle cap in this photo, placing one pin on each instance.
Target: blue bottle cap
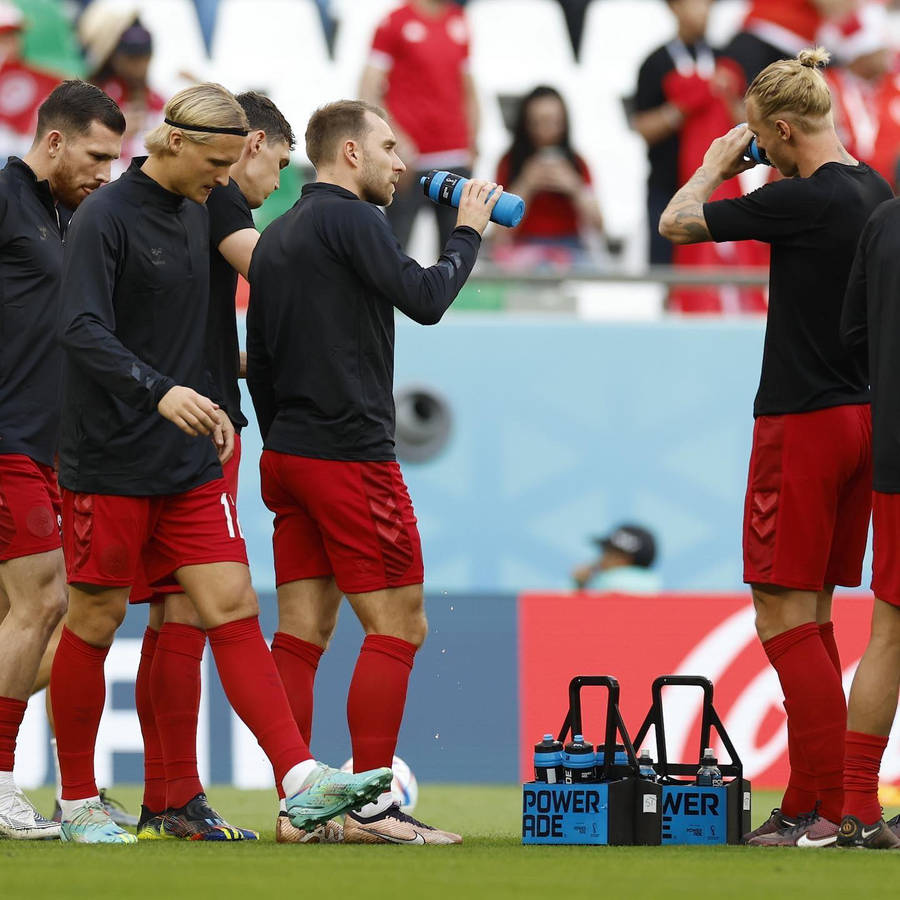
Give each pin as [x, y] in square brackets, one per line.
[579, 738]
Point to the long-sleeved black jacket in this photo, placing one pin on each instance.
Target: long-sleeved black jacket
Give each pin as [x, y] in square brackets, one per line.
[31, 254]
[324, 281]
[135, 300]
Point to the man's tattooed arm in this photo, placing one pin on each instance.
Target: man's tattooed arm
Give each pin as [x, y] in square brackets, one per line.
[682, 221]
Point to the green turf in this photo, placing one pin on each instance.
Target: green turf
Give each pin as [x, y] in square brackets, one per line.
[492, 863]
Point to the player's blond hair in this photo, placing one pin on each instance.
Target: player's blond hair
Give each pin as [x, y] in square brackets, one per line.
[207, 104]
[795, 88]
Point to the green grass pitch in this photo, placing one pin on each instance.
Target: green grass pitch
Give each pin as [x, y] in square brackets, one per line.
[491, 864]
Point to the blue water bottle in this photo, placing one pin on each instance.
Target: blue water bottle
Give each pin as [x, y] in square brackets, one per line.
[446, 188]
[754, 154]
[645, 767]
[578, 761]
[548, 761]
[710, 775]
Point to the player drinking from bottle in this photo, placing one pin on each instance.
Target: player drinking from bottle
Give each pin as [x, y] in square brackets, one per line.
[324, 282]
[809, 489]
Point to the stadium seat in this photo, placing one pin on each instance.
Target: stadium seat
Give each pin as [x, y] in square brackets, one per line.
[177, 42]
[725, 20]
[356, 24]
[276, 46]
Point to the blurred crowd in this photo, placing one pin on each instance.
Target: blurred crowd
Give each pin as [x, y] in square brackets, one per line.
[686, 93]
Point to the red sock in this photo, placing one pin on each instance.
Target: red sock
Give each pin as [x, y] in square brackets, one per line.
[11, 714]
[297, 661]
[255, 691]
[77, 694]
[175, 688]
[376, 699]
[801, 795]
[154, 773]
[826, 630]
[816, 708]
[862, 762]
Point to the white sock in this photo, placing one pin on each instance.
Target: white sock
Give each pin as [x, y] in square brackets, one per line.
[293, 780]
[376, 806]
[7, 782]
[70, 807]
[57, 769]
[282, 806]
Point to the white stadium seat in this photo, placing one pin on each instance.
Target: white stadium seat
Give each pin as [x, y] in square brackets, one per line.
[356, 24]
[276, 46]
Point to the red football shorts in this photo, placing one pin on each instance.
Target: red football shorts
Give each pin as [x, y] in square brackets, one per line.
[809, 497]
[30, 507]
[111, 540]
[143, 592]
[886, 547]
[352, 520]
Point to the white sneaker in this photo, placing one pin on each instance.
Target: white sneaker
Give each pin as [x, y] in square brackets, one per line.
[20, 821]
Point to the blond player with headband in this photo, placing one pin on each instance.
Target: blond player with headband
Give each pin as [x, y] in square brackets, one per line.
[808, 500]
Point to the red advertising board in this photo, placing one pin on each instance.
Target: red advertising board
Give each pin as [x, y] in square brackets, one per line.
[637, 638]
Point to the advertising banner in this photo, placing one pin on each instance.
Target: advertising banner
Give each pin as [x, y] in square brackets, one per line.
[637, 638]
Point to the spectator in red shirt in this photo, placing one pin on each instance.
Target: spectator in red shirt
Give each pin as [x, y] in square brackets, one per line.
[561, 211]
[118, 50]
[23, 88]
[419, 72]
[866, 89]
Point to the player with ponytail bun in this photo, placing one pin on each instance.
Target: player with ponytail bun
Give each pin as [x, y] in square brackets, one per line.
[809, 491]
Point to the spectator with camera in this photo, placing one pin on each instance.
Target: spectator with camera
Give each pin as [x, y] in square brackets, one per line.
[562, 216]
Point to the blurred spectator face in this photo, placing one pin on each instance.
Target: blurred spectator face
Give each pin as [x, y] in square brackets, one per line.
[130, 68]
[692, 16]
[614, 559]
[83, 163]
[545, 120]
[262, 173]
[381, 167]
[10, 44]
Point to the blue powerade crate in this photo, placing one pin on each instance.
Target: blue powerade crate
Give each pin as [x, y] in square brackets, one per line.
[693, 813]
[617, 808]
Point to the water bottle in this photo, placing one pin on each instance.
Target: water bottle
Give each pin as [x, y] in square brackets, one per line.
[548, 761]
[709, 774]
[645, 766]
[578, 761]
[754, 154]
[446, 188]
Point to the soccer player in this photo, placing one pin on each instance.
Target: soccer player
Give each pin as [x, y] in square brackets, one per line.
[79, 132]
[808, 498]
[141, 483]
[167, 689]
[324, 281]
[870, 321]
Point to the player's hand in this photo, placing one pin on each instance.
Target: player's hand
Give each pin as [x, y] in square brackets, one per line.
[193, 413]
[725, 156]
[477, 203]
[223, 437]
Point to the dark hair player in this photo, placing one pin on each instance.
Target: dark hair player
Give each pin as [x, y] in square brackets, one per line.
[79, 133]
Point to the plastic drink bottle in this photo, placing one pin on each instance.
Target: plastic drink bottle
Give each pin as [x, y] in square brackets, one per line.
[548, 761]
[578, 761]
[709, 774]
[446, 188]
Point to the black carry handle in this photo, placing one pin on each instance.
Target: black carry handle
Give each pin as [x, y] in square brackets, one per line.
[615, 724]
[709, 721]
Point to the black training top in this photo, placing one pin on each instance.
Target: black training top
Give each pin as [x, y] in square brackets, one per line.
[134, 309]
[872, 312]
[31, 255]
[324, 279]
[228, 213]
[813, 225]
